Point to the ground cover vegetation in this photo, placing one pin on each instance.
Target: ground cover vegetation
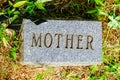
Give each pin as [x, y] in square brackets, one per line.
[13, 11]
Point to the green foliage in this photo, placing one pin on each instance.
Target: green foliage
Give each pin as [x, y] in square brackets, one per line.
[30, 8]
[2, 32]
[4, 41]
[14, 48]
[40, 4]
[22, 7]
[13, 53]
[92, 11]
[99, 2]
[76, 79]
[94, 68]
[19, 4]
[114, 22]
[92, 78]
[46, 74]
[13, 11]
[103, 14]
[75, 5]
[3, 37]
[69, 76]
[39, 77]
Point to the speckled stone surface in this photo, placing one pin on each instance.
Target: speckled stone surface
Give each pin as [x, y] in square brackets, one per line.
[62, 56]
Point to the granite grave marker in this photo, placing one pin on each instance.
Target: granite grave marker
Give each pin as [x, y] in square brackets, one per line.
[62, 42]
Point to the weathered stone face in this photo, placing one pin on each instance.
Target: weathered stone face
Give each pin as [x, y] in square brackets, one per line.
[48, 40]
[60, 42]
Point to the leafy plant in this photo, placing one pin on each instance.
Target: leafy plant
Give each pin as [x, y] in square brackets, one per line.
[13, 53]
[14, 48]
[3, 37]
[102, 12]
[114, 22]
[40, 4]
[30, 8]
[15, 9]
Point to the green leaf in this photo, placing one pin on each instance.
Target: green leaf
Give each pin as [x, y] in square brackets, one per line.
[30, 8]
[20, 3]
[10, 3]
[8, 11]
[76, 79]
[117, 5]
[117, 1]
[4, 41]
[39, 77]
[1, 13]
[99, 2]
[13, 53]
[117, 18]
[92, 11]
[39, 5]
[111, 18]
[110, 24]
[69, 75]
[106, 67]
[7, 38]
[93, 78]
[43, 1]
[16, 12]
[114, 23]
[94, 68]
[102, 13]
[14, 18]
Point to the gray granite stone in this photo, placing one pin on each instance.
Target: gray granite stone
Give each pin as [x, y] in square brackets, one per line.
[55, 42]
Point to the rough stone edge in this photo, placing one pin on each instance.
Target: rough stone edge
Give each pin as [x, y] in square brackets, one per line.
[22, 40]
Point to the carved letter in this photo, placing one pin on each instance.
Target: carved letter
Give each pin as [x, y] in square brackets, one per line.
[78, 42]
[35, 41]
[58, 39]
[89, 42]
[70, 39]
[50, 40]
